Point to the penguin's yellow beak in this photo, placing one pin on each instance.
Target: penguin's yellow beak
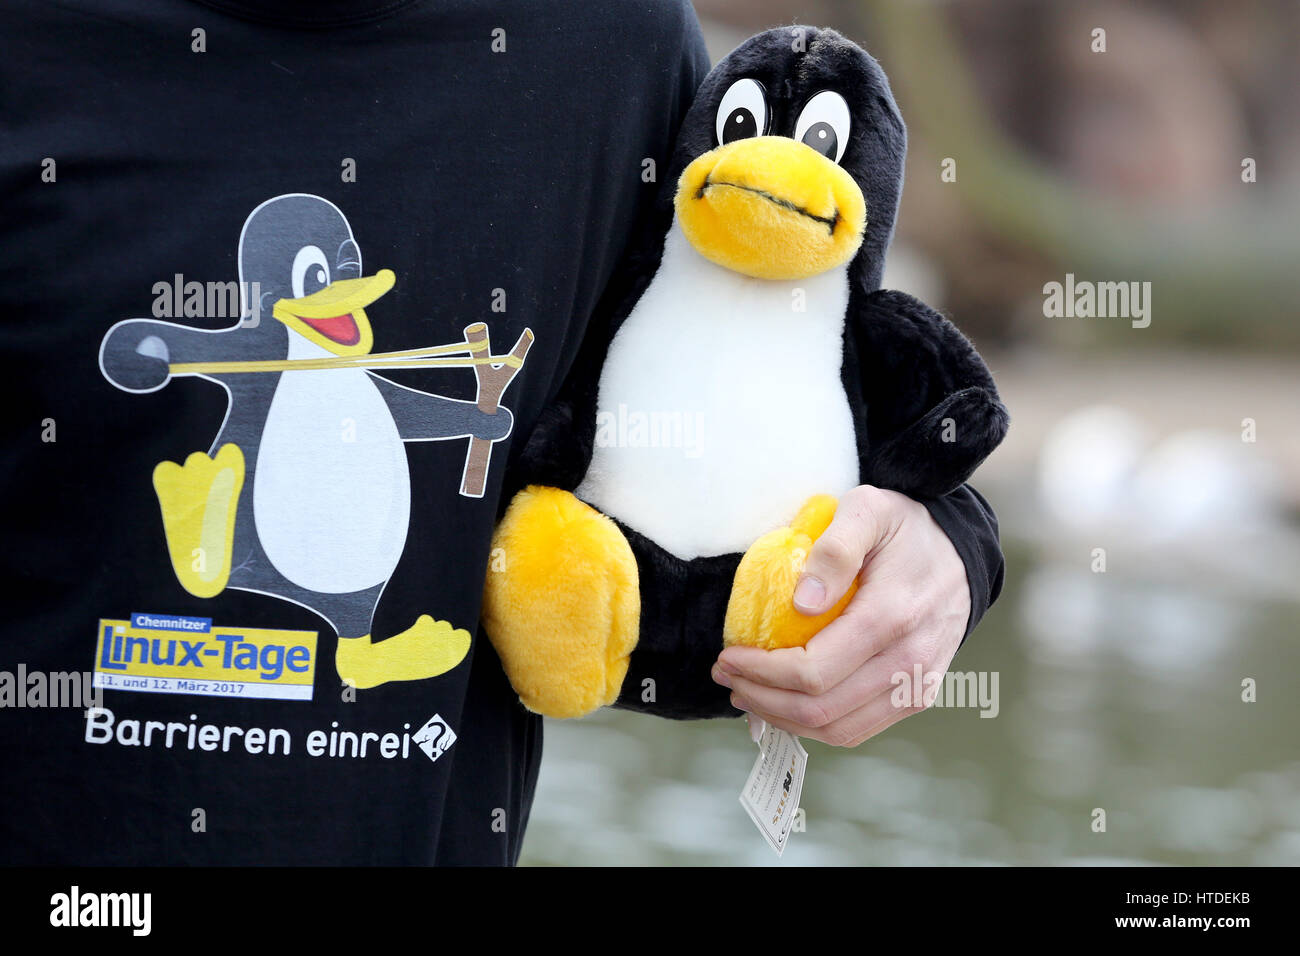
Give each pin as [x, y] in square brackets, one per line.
[335, 317]
[772, 208]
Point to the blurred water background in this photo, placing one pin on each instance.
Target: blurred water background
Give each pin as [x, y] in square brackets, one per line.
[1173, 448]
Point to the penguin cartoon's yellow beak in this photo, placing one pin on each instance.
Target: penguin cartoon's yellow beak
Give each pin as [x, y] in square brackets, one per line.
[771, 207]
[335, 317]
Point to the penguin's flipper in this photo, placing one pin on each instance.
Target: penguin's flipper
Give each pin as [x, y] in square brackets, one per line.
[426, 649]
[761, 609]
[563, 610]
[940, 450]
[932, 410]
[199, 500]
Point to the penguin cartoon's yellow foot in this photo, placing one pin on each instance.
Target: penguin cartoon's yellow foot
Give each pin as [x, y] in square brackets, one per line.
[198, 502]
[426, 649]
[761, 609]
[562, 603]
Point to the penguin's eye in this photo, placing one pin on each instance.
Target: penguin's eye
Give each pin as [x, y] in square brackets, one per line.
[824, 125]
[348, 259]
[311, 271]
[742, 112]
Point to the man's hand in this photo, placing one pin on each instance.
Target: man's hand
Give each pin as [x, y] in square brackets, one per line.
[912, 605]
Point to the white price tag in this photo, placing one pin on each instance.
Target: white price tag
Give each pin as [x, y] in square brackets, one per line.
[771, 794]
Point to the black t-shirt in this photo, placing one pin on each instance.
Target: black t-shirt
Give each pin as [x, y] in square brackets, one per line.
[490, 154]
[354, 178]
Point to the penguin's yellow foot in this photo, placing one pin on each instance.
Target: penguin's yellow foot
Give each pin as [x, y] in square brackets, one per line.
[198, 502]
[562, 604]
[426, 649]
[761, 609]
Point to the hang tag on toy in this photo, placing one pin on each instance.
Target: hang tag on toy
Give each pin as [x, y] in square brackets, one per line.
[771, 794]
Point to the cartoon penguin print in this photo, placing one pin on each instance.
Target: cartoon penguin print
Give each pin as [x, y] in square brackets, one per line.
[305, 494]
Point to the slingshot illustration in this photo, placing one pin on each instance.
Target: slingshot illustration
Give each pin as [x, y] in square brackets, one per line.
[494, 374]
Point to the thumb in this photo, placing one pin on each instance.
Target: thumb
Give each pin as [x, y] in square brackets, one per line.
[860, 523]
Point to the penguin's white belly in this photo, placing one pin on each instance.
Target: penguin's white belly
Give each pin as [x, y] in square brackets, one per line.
[332, 489]
[721, 406]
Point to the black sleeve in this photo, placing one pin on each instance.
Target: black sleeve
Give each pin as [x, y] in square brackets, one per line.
[972, 527]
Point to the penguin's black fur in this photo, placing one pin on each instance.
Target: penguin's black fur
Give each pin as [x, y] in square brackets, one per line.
[906, 369]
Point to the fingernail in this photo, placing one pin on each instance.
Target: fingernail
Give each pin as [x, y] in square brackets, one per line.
[728, 668]
[739, 703]
[809, 594]
[721, 677]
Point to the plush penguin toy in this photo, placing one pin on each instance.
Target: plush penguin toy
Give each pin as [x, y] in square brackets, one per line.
[756, 371]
